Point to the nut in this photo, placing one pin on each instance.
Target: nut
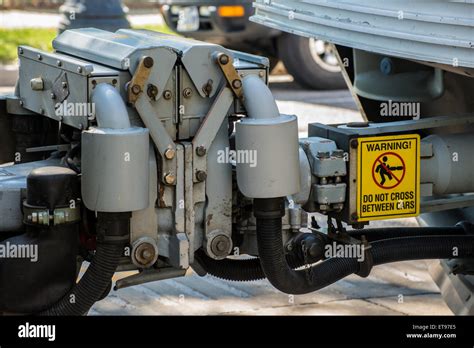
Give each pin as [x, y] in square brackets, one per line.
[201, 175]
[200, 151]
[170, 178]
[169, 154]
[323, 154]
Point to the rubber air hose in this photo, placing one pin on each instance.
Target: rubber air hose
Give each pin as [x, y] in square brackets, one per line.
[270, 246]
[113, 232]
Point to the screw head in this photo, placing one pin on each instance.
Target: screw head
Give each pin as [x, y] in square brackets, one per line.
[201, 175]
[187, 92]
[167, 94]
[170, 178]
[136, 89]
[200, 151]
[59, 63]
[261, 74]
[354, 143]
[148, 62]
[20, 50]
[237, 84]
[224, 59]
[40, 57]
[220, 245]
[64, 84]
[53, 96]
[169, 154]
[79, 69]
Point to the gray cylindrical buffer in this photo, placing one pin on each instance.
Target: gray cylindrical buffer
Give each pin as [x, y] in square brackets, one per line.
[115, 172]
[450, 167]
[272, 143]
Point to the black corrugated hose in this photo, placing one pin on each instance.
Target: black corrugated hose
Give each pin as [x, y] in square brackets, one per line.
[113, 230]
[270, 247]
[395, 244]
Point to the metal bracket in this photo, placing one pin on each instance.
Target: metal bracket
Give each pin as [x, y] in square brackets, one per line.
[209, 128]
[225, 63]
[136, 85]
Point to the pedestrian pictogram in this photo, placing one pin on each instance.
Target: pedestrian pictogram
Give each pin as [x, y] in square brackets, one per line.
[388, 177]
[388, 170]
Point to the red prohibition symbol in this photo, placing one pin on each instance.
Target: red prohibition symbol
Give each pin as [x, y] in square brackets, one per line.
[385, 171]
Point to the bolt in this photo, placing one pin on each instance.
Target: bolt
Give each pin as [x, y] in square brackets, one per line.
[354, 143]
[220, 245]
[114, 82]
[169, 178]
[323, 207]
[79, 69]
[386, 66]
[338, 153]
[261, 74]
[40, 57]
[147, 254]
[167, 94]
[20, 50]
[169, 153]
[200, 151]
[136, 89]
[207, 88]
[21, 103]
[53, 96]
[201, 175]
[59, 63]
[64, 84]
[323, 181]
[148, 62]
[224, 59]
[152, 91]
[322, 154]
[41, 111]
[237, 84]
[187, 92]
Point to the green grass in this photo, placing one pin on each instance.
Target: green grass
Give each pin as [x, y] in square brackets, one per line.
[39, 38]
[10, 39]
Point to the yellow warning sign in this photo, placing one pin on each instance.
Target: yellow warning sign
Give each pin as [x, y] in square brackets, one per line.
[388, 177]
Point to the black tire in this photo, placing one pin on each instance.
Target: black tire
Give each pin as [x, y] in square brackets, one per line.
[308, 70]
